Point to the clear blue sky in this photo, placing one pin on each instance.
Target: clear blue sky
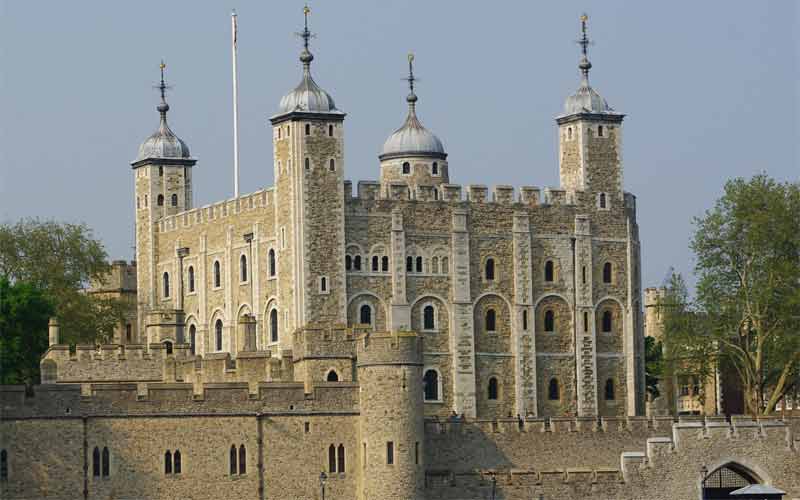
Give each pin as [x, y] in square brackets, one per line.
[710, 89]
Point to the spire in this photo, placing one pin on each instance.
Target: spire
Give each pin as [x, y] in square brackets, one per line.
[306, 56]
[584, 42]
[163, 107]
[412, 97]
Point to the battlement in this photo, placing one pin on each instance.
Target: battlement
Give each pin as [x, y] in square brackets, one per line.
[653, 295]
[255, 201]
[397, 348]
[505, 479]
[330, 342]
[120, 278]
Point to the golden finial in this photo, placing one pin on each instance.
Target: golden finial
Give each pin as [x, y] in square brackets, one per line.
[411, 57]
[162, 65]
[306, 10]
[584, 18]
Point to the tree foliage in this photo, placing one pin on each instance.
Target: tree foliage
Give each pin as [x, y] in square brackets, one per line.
[654, 366]
[24, 314]
[747, 305]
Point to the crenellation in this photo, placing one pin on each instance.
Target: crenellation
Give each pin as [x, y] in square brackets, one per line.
[477, 193]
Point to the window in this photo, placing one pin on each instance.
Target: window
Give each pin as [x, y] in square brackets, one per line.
[168, 462]
[330, 130]
[549, 321]
[340, 456]
[610, 389]
[128, 333]
[160, 200]
[166, 285]
[348, 262]
[3, 465]
[445, 266]
[174, 200]
[585, 321]
[357, 263]
[489, 270]
[242, 460]
[434, 265]
[273, 325]
[602, 200]
[491, 320]
[145, 200]
[218, 335]
[332, 458]
[106, 460]
[524, 319]
[435, 194]
[271, 257]
[389, 452]
[406, 168]
[549, 271]
[323, 284]
[366, 314]
[553, 392]
[583, 275]
[409, 264]
[435, 168]
[191, 279]
[332, 376]
[192, 339]
[419, 264]
[430, 385]
[385, 264]
[428, 318]
[279, 132]
[332, 165]
[492, 389]
[176, 462]
[308, 129]
[607, 272]
[375, 263]
[288, 131]
[364, 454]
[569, 133]
[283, 238]
[168, 346]
[416, 453]
[308, 164]
[96, 462]
[599, 131]
[233, 460]
[607, 321]
[243, 268]
[217, 275]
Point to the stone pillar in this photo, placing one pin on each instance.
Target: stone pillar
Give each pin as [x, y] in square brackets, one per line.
[523, 346]
[585, 348]
[401, 312]
[53, 330]
[462, 338]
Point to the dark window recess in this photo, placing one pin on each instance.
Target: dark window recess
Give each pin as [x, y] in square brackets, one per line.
[430, 385]
[491, 320]
[549, 321]
[390, 452]
[553, 392]
[493, 389]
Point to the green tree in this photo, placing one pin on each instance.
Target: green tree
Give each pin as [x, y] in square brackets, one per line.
[747, 307]
[24, 314]
[653, 362]
[60, 260]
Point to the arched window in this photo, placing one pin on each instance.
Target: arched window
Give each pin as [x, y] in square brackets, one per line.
[357, 263]
[599, 131]
[585, 321]
[96, 462]
[271, 257]
[409, 264]
[161, 171]
[435, 168]
[106, 460]
[607, 321]
[308, 129]
[330, 130]
[549, 321]
[419, 264]
[332, 458]
[385, 264]
[340, 455]
[607, 272]
[430, 383]
[308, 164]
[602, 200]
[243, 268]
[3, 465]
[491, 320]
[406, 167]
[218, 335]
[128, 333]
[445, 266]
[273, 325]
[553, 392]
[174, 200]
[191, 279]
[192, 339]
[493, 389]
[569, 133]
[234, 469]
[348, 262]
[166, 285]
[549, 271]
[332, 165]
[160, 200]
[434, 265]
[332, 376]
[428, 318]
[489, 270]
[242, 460]
[375, 263]
[365, 314]
[435, 194]
[610, 389]
[217, 275]
[168, 346]
[168, 462]
[323, 284]
[524, 319]
[176, 462]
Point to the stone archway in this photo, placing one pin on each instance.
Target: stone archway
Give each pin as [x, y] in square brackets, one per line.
[730, 477]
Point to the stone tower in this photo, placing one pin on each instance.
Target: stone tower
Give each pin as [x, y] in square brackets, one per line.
[391, 424]
[590, 140]
[308, 139]
[163, 186]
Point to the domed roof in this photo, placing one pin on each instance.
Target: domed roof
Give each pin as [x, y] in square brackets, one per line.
[307, 97]
[163, 143]
[412, 138]
[586, 100]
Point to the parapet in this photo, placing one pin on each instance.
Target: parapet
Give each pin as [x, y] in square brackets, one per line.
[369, 190]
[258, 200]
[653, 295]
[398, 348]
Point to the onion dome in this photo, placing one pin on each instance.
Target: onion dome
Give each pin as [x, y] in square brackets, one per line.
[163, 143]
[412, 139]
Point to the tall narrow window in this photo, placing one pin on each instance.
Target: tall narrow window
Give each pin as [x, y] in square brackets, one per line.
[599, 131]
[445, 265]
[553, 392]
[569, 133]
[217, 275]
[607, 272]
[416, 453]
[602, 200]
[390, 452]
[166, 285]
[242, 460]
[492, 389]
[174, 200]
[524, 319]
[279, 132]
[3, 465]
[406, 168]
[419, 264]
[491, 320]
[330, 130]
[331, 458]
[96, 462]
[348, 262]
[366, 315]
[375, 263]
[176, 462]
[243, 268]
[308, 129]
[191, 279]
[585, 321]
[168, 347]
[489, 272]
[435, 168]
[168, 462]
[273, 325]
[430, 385]
[357, 263]
[607, 321]
[428, 318]
[385, 264]
[323, 284]
[218, 335]
[409, 264]
[340, 456]
[128, 333]
[233, 462]
[192, 339]
[271, 257]
[549, 321]
[609, 389]
[308, 164]
[106, 460]
[435, 194]
[160, 200]
[583, 275]
[332, 165]
[161, 171]
[549, 271]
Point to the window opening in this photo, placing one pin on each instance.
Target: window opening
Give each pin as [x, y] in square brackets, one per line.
[553, 392]
[491, 320]
[549, 321]
[430, 385]
[492, 389]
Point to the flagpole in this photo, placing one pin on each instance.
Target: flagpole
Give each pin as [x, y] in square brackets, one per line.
[234, 29]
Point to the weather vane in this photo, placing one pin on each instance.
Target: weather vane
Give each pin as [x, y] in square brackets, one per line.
[162, 86]
[411, 79]
[306, 34]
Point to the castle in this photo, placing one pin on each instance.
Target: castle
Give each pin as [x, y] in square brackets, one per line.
[412, 340]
